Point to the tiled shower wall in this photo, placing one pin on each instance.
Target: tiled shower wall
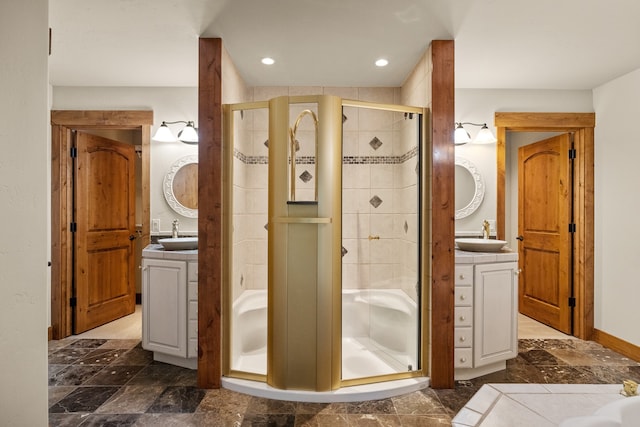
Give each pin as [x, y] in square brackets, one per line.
[380, 200]
[380, 189]
[250, 203]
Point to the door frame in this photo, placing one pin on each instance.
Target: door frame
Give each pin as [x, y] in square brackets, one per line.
[582, 125]
[63, 123]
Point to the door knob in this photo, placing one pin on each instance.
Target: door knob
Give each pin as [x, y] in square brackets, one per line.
[132, 237]
[521, 238]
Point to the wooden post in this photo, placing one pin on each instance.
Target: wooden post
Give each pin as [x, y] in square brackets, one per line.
[210, 213]
[443, 211]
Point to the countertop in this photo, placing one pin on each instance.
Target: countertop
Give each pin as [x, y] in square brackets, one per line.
[466, 257]
[158, 252]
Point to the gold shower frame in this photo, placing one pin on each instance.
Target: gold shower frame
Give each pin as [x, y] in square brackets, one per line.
[328, 352]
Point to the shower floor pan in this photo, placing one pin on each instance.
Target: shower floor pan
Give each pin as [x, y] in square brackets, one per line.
[360, 358]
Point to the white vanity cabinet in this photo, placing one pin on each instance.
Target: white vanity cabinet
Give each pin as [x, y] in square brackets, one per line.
[486, 312]
[170, 305]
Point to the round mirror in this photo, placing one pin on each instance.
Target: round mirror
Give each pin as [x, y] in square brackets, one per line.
[469, 188]
[180, 186]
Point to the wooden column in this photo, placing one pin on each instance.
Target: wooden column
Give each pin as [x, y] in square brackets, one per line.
[209, 213]
[443, 211]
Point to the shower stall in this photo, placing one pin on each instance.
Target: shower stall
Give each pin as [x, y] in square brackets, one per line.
[324, 266]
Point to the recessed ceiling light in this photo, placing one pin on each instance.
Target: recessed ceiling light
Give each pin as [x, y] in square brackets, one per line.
[382, 62]
[268, 61]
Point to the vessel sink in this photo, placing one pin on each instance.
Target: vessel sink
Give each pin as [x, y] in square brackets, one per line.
[480, 245]
[179, 243]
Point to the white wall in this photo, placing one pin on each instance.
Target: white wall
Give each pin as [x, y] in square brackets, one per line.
[617, 287]
[23, 192]
[479, 106]
[168, 104]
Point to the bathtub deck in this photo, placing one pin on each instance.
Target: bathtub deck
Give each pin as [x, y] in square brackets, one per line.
[534, 405]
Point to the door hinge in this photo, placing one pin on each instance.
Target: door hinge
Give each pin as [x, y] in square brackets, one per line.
[572, 153]
[572, 228]
[73, 227]
[74, 152]
[73, 301]
[572, 302]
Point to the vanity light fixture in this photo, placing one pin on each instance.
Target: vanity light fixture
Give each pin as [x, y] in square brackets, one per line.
[188, 134]
[484, 136]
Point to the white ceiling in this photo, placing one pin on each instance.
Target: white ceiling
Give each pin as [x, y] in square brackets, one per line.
[533, 44]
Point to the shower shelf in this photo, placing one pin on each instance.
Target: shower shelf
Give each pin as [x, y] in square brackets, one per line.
[302, 202]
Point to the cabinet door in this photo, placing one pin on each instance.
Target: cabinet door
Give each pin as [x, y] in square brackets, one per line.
[164, 306]
[496, 313]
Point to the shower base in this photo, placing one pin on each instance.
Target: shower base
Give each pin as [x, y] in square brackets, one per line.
[358, 393]
[360, 358]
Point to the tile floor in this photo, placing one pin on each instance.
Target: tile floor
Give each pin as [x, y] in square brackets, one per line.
[113, 381]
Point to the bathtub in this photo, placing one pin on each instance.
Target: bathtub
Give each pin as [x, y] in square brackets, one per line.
[620, 413]
[380, 332]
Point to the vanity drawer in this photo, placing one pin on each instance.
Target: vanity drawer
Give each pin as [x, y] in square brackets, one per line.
[192, 291]
[192, 272]
[464, 275]
[192, 310]
[464, 296]
[192, 330]
[463, 337]
[463, 357]
[192, 348]
[463, 316]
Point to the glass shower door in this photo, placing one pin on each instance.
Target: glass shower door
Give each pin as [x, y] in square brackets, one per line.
[380, 231]
[247, 157]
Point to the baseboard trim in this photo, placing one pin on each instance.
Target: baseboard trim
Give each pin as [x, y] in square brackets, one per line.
[623, 347]
[138, 299]
[49, 333]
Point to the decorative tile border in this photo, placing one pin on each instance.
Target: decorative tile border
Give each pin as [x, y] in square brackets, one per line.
[346, 160]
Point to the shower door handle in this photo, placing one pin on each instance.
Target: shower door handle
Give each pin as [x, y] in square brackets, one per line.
[374, 237]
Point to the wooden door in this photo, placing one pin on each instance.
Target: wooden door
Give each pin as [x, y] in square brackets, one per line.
[544, 217]
[104, 212]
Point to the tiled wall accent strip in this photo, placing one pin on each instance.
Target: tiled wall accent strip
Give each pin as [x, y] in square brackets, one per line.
[347, 160]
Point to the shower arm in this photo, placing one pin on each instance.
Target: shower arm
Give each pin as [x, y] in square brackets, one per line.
[292, 144]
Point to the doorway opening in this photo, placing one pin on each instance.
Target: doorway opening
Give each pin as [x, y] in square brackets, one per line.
[66, 125]
[581, 126]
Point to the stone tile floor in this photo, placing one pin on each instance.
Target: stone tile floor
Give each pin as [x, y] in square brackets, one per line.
[100, 382]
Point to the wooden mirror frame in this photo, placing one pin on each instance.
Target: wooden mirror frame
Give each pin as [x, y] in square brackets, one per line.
[582, 125]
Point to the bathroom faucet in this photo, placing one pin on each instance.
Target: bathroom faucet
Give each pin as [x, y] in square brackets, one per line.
[486, 229]
[174, 229]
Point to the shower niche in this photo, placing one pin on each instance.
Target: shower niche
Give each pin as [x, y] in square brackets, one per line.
[323, 270]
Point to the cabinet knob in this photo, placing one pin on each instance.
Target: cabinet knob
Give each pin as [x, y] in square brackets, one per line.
[463, 359]
[462, 339]
[462, 318]
[462, 277]
[462, 297]
[518, 271]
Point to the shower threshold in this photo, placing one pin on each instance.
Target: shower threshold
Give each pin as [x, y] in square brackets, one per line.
[357, 393]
